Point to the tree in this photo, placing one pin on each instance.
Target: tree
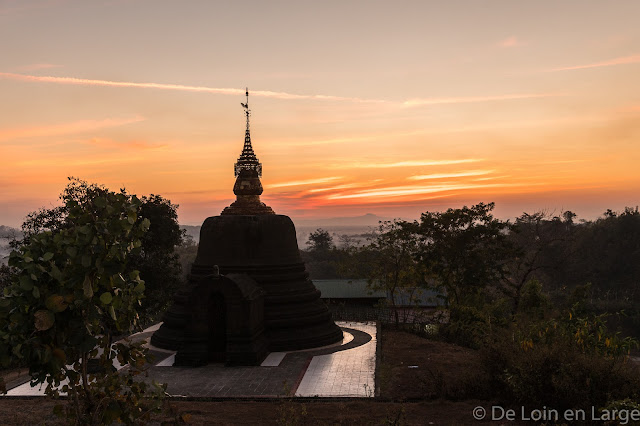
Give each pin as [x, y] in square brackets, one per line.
[320, 241]
[464, 250]
[541, 245]
[609, 254]
[156, 260]
[389, 260]
[72, 291]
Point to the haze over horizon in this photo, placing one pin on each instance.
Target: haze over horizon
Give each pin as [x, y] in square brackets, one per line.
[357, 107]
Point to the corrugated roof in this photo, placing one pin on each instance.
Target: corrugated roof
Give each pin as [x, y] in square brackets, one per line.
[357, 289]
[347, 289]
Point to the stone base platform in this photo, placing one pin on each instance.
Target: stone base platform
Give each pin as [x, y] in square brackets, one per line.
[344, 369]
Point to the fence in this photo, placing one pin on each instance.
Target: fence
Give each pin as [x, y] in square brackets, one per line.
[387, 314]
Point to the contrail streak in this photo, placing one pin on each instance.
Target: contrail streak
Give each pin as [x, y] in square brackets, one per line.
[179, 87]
[271, 94]
[634, 59]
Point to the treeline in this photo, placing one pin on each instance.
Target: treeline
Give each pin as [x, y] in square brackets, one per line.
[559, 251]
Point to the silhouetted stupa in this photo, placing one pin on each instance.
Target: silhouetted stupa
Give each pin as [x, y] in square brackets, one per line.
[281, 306]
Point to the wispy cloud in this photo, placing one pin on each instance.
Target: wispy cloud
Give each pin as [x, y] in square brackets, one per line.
[450, 175]
[270, 94]
[398, 191]
[411, 163]
[633, 59]
[304, 182]
[334, 188]
[472, 99]
[491, 178]
[179, 87]
[65, 128]
[510, 42]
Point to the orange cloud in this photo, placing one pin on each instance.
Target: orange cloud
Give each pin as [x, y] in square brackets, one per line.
[397, 191]
[303, 182]
[510, 42]
[333, 188]
[450, 175]
[410, 163]
[633, 59]
[65, 128]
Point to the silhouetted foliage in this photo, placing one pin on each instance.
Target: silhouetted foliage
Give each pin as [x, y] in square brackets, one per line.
[322, 258]
[543, 244]
[464, 250]
[72, 291]
[389, 260]
[320, 241]
[187, 252]
[157, 261]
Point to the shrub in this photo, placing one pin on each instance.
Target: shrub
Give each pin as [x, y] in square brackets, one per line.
[564, 363]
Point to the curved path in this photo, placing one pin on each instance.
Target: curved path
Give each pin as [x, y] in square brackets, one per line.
[339, 370]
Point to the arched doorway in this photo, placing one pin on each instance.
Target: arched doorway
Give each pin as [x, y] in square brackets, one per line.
[217, 324]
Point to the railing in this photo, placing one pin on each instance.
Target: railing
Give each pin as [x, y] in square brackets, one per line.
[387, 314]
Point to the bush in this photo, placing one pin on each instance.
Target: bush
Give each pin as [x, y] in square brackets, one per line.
[566, 363]
[473, 326]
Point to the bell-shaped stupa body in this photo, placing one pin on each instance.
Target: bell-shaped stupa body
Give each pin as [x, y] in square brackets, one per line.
[249, 238]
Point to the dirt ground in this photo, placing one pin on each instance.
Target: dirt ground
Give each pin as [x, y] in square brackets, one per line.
[414, 375]
[34, 412]
[413, 368]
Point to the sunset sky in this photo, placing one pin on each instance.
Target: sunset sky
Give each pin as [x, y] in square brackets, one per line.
[392, 108]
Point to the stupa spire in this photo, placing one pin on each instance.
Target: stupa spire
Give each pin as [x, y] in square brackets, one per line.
[247, 159]
[247, 171]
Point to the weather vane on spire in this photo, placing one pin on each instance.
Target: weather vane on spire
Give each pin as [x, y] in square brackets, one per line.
[247, 111]
[247, 159]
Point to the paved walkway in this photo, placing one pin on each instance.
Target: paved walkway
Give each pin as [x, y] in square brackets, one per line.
[346, 369]
[348, 372]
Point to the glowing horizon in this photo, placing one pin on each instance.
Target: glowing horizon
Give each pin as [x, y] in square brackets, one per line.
[356, 108]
